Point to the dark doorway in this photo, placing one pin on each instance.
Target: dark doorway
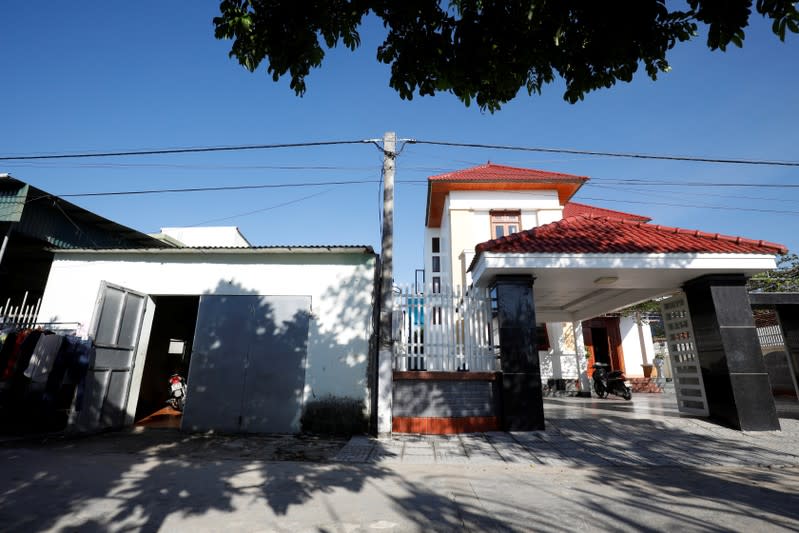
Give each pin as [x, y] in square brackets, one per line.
[599, 336]
[168, 352]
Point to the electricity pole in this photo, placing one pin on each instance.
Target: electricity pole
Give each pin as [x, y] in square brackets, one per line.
[385, 345]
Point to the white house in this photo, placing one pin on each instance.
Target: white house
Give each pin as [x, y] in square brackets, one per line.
[260, 331]
[468, 207]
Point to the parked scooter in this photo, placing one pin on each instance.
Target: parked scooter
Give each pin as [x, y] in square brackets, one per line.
[177, 392]
[606, 383]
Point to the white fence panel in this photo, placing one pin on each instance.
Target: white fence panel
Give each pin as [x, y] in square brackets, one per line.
[22, 315]
[443, 330]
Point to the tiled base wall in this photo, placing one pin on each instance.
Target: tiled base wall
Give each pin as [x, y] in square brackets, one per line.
[445, 402]
[445, 426]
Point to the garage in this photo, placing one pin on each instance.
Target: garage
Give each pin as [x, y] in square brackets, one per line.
[257, 332]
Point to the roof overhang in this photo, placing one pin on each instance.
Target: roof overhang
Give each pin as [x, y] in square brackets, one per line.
[572, 287]
[437, 191]
[235, 250]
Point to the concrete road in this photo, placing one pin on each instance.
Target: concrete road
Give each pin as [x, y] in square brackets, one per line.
[86, 487]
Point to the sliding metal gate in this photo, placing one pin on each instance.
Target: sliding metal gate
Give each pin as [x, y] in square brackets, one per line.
[688, 384]
[247, 369]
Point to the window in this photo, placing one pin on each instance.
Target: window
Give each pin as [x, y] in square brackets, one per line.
[503, 223]
[436, 263]
[436, 245]
[436, 284]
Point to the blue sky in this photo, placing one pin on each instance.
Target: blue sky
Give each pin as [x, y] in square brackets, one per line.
[94, 76]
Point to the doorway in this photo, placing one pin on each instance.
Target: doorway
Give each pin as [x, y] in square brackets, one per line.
[168, 352]
[602, 337]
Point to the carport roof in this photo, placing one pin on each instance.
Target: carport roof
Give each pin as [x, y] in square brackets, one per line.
[588, 234]
[586, 266]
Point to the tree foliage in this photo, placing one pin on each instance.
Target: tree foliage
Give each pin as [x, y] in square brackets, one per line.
[488, 50]
[784, 279]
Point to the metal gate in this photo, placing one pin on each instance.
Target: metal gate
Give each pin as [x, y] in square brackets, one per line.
[688, 384]
[116, 329]
[247, 369]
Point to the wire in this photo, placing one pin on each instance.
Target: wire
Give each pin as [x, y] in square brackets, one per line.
[164, 151]
[246, 213]
[775, 211]
[613, 154]
[681, 194]
[57, 205]
[203, 189]
[693, 183]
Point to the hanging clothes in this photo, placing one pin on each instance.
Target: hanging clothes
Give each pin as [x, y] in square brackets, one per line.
[23, 348]
[71, 362]
[9, 344]
[44, 354]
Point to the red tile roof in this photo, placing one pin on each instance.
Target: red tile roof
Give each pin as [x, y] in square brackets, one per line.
[587, 234]
[492, 172]
[573, 209]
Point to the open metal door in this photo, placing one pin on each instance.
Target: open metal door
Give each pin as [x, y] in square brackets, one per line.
[688, 383]
[116, 330]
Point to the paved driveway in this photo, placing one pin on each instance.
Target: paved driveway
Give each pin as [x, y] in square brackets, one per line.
[591, 432]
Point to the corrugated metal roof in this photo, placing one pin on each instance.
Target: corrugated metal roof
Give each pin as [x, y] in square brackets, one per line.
[62, 224]
[335, 248]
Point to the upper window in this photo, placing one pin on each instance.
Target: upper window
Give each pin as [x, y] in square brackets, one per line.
[504, 223]
[436, 245]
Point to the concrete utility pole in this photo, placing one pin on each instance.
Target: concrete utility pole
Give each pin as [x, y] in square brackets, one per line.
[385, 349]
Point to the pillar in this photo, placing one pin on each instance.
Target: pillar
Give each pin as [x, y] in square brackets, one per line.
[522, 399]
[735, 378]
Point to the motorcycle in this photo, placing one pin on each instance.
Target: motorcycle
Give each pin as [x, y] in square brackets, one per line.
[606, 383]
[177, 392]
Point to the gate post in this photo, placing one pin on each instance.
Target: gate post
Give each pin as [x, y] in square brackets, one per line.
[522, 399]
[736, 382]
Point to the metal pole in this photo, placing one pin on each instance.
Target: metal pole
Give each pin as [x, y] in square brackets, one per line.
[385, 352]
[5, 242]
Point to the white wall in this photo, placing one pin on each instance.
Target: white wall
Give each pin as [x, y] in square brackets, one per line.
[208, 236]
[341, 286]
[562, 360]
[631, 346]
[466, 222]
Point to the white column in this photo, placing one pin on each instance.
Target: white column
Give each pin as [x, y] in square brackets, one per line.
[582, 362]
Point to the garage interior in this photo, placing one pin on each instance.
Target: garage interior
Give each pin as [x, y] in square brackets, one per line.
[168, 352]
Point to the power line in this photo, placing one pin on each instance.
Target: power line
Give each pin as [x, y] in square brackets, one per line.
[199, 149]
[246, 213]
[773, 211]
[207, 189]
[638, 181]
[632, 155]
[681, 194]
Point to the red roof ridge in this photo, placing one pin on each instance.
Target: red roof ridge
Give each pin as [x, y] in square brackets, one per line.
[532, 173]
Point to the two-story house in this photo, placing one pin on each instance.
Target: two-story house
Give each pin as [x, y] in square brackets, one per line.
[471, 206]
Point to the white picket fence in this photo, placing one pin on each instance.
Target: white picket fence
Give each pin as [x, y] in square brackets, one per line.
[22, 315]
[443, 331]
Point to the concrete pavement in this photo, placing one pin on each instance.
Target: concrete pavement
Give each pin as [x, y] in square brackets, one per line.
[648, 431]
[574, 476]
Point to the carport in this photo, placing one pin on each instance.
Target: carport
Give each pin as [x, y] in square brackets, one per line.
[585, 266]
